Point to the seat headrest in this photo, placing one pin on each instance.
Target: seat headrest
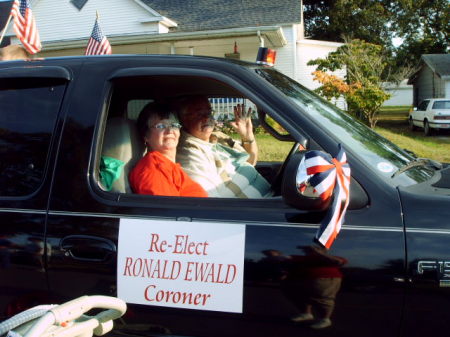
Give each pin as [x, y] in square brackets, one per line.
[121, 141]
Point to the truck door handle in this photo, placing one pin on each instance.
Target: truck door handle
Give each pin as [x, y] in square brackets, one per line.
[87, 248]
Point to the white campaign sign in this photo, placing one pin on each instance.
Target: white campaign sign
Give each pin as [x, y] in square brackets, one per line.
[194, 265]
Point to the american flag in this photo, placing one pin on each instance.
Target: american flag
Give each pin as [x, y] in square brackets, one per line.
[98, 43]
[25, 26]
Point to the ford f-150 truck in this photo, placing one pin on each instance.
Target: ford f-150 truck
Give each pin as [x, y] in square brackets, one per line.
[211, 266]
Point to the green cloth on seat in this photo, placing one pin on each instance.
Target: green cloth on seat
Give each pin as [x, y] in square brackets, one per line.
[225, 152]
[110, 171]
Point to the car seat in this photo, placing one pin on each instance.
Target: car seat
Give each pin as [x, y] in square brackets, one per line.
[121, 141]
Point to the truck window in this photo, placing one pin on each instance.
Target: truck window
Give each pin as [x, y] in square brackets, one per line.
[123, 146]
[28, 112]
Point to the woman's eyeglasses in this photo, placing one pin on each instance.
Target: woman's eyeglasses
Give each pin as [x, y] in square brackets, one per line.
[163, 126]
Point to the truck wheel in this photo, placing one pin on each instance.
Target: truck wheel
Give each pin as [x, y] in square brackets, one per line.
[411, 124]
[426, 128]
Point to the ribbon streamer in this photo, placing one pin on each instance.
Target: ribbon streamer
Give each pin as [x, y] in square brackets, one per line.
[328, 175]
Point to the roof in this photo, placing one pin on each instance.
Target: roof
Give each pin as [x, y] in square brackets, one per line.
[198, 15]
[192, 20]
[438, 63]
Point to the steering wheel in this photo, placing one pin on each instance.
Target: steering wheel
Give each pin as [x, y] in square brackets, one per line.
[300, 145]
[276, 185]
[68, 319]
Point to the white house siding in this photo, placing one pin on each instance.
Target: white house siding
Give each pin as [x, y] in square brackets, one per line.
[309, 50]
[400, 95]
[285, 60]
[423, 85]
[117, 17]
[247, 47]
[439, 86]
[430, 85]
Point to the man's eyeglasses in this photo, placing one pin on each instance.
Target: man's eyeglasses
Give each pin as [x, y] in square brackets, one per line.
[163, 126]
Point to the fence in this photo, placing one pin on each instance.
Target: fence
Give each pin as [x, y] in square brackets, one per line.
[223, 108]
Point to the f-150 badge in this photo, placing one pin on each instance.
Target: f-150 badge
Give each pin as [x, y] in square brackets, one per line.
[441, 269]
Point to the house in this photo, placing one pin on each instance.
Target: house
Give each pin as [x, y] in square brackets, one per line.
[432, 79]
[232, 28]
[401, 93]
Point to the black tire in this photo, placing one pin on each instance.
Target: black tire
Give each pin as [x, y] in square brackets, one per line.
[426, 128]
[411, 124]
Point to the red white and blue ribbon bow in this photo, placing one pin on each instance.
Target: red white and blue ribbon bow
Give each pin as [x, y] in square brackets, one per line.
[330, 174]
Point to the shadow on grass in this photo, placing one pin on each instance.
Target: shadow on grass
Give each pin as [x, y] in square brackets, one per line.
[399, 125]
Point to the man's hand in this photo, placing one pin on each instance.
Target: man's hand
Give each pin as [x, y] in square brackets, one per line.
[243, 126]
[243, 123]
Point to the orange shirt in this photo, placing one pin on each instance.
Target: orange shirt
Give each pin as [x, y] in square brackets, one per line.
[156, 175]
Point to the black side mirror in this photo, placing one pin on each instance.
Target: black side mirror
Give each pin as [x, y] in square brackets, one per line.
[295, 176]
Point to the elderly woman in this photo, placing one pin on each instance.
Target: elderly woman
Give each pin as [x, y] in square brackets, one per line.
[221, 170]
[157, 173]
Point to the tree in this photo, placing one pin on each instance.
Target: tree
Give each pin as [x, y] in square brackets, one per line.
[361, 19]
[365, 64]
[424, 27]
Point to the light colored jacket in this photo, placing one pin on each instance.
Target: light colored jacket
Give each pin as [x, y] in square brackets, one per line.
[222, 171]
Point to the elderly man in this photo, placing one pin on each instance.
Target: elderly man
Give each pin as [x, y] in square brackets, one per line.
[221, 170]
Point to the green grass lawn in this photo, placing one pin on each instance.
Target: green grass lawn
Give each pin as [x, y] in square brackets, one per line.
[271, 149]
[392, 124]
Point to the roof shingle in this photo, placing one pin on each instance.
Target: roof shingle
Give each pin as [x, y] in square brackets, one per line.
[440, 63]
[198, 15]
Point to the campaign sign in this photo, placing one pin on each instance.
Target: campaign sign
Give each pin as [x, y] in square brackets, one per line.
[178, 264]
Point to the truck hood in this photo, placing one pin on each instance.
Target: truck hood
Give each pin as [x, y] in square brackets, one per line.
[427, 205]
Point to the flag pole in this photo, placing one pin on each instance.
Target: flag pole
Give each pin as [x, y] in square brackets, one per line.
[6, 28]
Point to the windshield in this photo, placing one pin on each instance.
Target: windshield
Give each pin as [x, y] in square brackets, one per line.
[384, 157]
[445, 105]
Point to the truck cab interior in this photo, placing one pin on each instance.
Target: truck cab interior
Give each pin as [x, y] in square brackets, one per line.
[130, 94]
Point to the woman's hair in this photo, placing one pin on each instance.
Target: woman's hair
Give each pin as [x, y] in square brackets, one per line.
[183, 104]
[152, 110]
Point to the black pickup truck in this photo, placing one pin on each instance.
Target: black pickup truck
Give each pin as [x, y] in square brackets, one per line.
[211, 266]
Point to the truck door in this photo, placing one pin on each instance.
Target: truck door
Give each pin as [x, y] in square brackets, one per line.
[427, 230]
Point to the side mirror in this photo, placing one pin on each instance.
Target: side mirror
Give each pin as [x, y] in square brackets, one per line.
[306, 199]
[295, 188]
